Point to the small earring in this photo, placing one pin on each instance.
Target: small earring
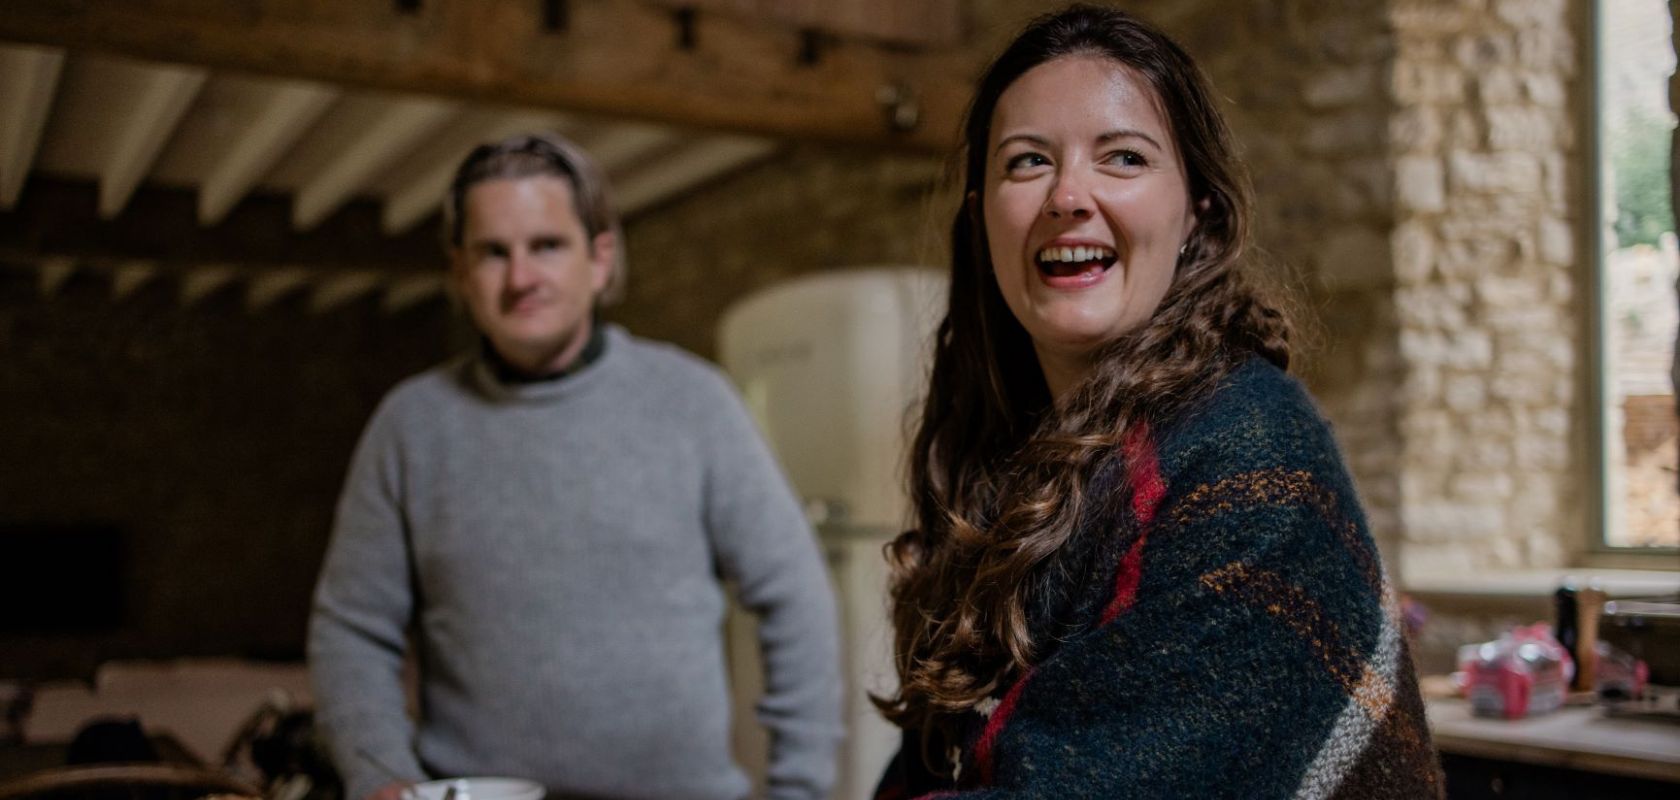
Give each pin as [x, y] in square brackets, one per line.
[1183, 247]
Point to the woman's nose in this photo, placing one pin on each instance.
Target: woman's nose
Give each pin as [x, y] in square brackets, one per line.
[1069, 198]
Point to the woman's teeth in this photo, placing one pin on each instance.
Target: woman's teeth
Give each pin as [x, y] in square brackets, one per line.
[1074, 260]
[1075, 254]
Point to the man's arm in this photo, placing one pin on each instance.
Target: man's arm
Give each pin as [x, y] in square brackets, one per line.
[765, 545]
[356, 630]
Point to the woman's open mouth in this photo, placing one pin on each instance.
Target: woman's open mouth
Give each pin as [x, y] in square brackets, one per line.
[1074, 266]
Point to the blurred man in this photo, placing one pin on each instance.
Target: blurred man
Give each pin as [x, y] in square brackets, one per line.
[549, 518]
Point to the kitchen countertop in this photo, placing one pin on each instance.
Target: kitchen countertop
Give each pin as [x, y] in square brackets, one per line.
[1582, 737]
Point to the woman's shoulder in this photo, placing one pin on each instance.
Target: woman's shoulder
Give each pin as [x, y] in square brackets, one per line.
[1258, 417]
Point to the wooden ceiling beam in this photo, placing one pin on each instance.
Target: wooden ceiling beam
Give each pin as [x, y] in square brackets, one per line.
[398, 130]
[28, 81]
[60, 219]
[688, 167]
[288, 110]
[621, 58]
[435, 163]
[163, 98]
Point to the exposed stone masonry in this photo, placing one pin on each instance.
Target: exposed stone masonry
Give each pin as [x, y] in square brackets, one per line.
[1489, 283]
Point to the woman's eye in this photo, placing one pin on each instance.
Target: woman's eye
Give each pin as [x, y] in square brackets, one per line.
[1025, 161]
[1127, 158]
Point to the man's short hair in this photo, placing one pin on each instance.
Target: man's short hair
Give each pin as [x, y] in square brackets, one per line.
[535, 155]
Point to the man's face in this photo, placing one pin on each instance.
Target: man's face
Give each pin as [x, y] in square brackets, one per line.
[528, 272]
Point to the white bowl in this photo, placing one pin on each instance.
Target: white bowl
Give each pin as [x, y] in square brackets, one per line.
[477, 789]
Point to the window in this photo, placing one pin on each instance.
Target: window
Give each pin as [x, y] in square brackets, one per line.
[1638, 311]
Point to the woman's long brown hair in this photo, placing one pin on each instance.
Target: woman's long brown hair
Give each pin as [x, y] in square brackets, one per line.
[998, 473]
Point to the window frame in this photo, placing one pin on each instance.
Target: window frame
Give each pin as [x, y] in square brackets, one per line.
[1598, 552]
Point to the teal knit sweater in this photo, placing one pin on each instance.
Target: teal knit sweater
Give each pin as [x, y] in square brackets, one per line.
[1233, 635]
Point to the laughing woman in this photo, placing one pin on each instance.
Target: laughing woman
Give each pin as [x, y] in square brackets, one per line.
[1139, 567]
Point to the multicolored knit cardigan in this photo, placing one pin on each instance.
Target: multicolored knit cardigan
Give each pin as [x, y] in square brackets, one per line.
[1231, 633]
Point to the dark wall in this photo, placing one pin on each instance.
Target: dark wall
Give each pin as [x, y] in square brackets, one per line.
[211, 438]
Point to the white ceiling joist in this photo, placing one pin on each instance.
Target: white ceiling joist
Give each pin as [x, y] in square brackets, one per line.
[405, 292]
[685, 168]
[288, 111]
[127, 278]
[422, 194]
[28, 80]
[204, 281]
[54, 273]
[272, 285]
[361, 158]
[166, 94]
[332, 292]
[621, 147]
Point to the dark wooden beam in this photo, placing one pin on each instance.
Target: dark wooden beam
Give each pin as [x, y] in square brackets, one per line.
[918, 23]
[59, 219]
[612, 57]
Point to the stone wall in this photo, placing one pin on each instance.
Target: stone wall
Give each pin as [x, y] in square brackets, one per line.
[1491, 280]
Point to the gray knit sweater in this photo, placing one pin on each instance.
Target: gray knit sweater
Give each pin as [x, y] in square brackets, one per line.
[556, 550]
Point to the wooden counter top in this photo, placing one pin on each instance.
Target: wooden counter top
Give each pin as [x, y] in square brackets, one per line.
[1574, 737]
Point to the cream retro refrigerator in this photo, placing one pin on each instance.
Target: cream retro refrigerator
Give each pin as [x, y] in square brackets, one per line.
[832, 367]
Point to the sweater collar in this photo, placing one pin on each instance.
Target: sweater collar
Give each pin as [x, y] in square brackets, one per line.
[494, 378]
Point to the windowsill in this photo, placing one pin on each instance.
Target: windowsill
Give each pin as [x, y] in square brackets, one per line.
[1535, 584]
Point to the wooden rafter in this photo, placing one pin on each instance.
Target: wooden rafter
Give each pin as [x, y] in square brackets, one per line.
[399, 127]
[421, 194]
[288, 109]
[686, 167]
[164, 95]
[28, 78]
[624, 58]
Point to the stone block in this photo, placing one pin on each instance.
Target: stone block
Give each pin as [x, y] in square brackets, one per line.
[1416, 128]
[1346, 133]
[1541, 452]
[1342, 87]
[1420, 184]
[1469, 349]
[1485, 49]
[1528, 129]
[1499, 86]
[1423, 385]
[1485, 454]
[1508, 173]
[1428, 17]
[1466, 129]
[1557, 241]
[1555, 172]
[1414, 252]
[1545, 90]
[1421, 558]
[1531, 13]
[1425, 82]
[1547, 49]
[1530, 387]
[1465, 393]
[1518, 292]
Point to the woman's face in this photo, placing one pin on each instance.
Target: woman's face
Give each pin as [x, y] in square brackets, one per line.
[1085, 204]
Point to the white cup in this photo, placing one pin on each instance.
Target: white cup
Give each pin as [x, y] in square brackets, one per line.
[476, 789]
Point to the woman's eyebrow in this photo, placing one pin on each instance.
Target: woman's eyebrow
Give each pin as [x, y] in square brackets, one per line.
[1128, 133]
[1029, 138]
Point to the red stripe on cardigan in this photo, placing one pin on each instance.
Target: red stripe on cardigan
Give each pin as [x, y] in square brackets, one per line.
[1143, 469]
[994, 726]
